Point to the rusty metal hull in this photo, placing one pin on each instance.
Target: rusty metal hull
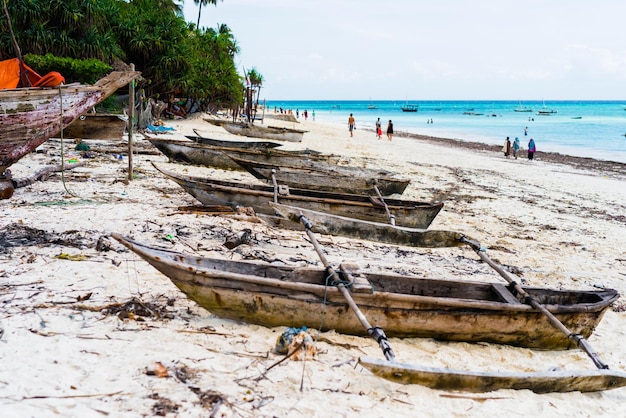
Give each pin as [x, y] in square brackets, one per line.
[403, 306]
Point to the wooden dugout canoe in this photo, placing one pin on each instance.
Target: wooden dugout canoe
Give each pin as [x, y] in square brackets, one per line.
[472, 381]
[216, 156]
[411, 214]
[331, 178]
[97, 126]
[325, 223]
[258, 131]
[29, 116]
[232, 143]
[403, 306]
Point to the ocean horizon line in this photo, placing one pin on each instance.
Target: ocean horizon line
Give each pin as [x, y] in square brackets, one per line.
[453, 100]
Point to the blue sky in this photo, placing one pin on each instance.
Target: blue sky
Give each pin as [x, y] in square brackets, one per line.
[428, 50]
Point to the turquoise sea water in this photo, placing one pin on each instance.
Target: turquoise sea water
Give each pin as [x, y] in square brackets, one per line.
[593, 129]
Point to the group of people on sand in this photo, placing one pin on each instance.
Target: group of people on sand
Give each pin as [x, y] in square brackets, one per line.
[514, 148]
[379, 128]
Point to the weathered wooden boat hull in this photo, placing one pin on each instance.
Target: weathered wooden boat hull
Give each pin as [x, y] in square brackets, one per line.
[412, 214]
[218, 157]
[324, 223]
[257, 131]
[338, 179]
[29, 116]
[97, 126]
[403, 306]
[232, 144]
[468, 381]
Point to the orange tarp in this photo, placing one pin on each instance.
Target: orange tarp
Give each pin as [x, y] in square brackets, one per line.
[10, 76]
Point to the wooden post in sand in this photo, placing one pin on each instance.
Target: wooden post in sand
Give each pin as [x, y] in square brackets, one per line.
[131, 117]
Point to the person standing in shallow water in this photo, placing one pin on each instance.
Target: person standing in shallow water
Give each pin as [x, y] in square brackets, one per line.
[389, 130]
[351, 124]
[531, 149]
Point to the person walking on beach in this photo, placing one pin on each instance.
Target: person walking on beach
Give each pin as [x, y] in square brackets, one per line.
[351, 124]
[506, 148]
[389, 130]
[379, 129]
[516, 147]
[532, 149]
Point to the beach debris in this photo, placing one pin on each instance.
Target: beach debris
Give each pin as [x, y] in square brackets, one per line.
[163, 406]
[206, 210]
[44, 173]
[71, 257]
[236, 239]
[103, 244]
[296, 343]
[19, 235]
[138, 310]
[157, 369]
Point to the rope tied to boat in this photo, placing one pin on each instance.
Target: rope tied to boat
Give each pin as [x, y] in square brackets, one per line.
[382, 342]
[578, 339]
[62, 142]
[336, 281]
[378, 334]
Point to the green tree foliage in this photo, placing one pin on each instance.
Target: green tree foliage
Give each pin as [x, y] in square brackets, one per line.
[175, 57]
[88, 70]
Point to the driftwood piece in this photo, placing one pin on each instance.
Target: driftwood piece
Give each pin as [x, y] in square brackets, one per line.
[6, 188]
[43, 174]
[234, 240]
[207, 210]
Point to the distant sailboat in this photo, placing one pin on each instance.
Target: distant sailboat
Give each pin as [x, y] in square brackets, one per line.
[371, 106]
[409, 107]
[521, 108]
[545, 111]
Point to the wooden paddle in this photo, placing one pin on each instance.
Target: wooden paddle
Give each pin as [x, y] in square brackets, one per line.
[375, 332]
[392, 218]
[578, 339]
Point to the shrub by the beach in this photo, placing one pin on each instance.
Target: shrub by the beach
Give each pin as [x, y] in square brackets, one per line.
[74, 70]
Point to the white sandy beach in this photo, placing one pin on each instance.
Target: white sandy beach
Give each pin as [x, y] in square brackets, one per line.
[64, 354]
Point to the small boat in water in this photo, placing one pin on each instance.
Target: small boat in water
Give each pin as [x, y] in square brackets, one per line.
[522, 108]
[545, 111]
[409, 108]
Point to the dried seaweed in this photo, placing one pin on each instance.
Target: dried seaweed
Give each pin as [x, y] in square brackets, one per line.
[137, 309]
[18, 235]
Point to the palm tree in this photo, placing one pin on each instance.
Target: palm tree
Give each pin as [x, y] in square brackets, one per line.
[203, 3]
